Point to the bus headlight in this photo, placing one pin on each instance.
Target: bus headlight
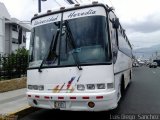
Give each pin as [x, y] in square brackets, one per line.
[80, 87]
[30, 87]
[90, 86]
[101, 86]
[36, 87]
[40, 87]
[110, 85]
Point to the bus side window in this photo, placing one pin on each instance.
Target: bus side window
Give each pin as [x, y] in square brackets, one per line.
[114, 42]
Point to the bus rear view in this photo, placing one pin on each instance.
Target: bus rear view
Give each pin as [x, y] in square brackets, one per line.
[70, 62]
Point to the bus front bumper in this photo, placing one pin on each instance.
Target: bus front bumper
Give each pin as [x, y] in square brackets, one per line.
[74, 101]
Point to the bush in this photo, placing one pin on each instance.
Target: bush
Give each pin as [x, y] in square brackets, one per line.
[15, 64]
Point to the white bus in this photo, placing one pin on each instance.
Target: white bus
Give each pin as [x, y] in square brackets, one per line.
[80, 59]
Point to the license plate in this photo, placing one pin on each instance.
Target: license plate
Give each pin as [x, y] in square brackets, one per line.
[60, 104]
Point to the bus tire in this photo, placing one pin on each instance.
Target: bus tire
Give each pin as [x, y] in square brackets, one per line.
[130, 77]
[120, 89]
[122, 86]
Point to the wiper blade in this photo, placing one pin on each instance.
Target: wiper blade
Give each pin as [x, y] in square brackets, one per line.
[71, 41]
[51, 54]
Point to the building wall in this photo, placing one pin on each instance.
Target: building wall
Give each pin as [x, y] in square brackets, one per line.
[11, 39]
[15, 45]
[7, 35]
[2, 35]
[7, 39]
[14, 39]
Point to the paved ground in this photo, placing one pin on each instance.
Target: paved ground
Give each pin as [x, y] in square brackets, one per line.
[12, 101]
[141, 97]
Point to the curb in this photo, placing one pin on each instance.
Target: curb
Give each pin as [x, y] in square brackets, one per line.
[24, 112]
[16, 115]
[19, 110]
[12, 84]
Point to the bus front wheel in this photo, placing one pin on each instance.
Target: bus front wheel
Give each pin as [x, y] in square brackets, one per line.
[122, 87]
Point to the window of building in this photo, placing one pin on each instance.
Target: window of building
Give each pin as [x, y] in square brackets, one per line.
[24, 39]
[14, 40]
[1, 27]
[14, 28]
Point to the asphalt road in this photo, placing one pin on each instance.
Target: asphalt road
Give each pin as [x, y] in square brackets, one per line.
[141, 97]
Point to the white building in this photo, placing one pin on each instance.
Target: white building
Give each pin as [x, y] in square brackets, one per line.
[9, 31]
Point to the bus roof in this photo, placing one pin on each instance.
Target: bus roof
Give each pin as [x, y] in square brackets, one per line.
[69, 6]
[74, 6]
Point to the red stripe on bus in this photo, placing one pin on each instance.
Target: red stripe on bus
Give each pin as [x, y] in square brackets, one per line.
[60, 97]
[85, 97]
[99, 97]
[37, 96]
[29, 95]
[46, 97]
[73, 98]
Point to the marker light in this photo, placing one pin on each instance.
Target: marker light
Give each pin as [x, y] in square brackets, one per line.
[95, 2]
[29, 95]
[99, 97]
[77, 5]
[46, 97]
[49, 11]
[35, 15]
[80, 87]
[62, 8]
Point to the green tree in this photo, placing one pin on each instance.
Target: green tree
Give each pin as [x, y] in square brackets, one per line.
[15, 64]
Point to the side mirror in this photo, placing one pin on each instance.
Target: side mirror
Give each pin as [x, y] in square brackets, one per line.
[116, 23]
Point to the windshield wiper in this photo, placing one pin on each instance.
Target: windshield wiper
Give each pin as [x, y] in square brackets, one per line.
[71, 41]
[51, 54]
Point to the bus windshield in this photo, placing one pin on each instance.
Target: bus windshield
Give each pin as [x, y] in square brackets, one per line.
[82, 41]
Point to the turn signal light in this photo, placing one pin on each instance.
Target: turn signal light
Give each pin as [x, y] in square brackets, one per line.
[91, 104]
